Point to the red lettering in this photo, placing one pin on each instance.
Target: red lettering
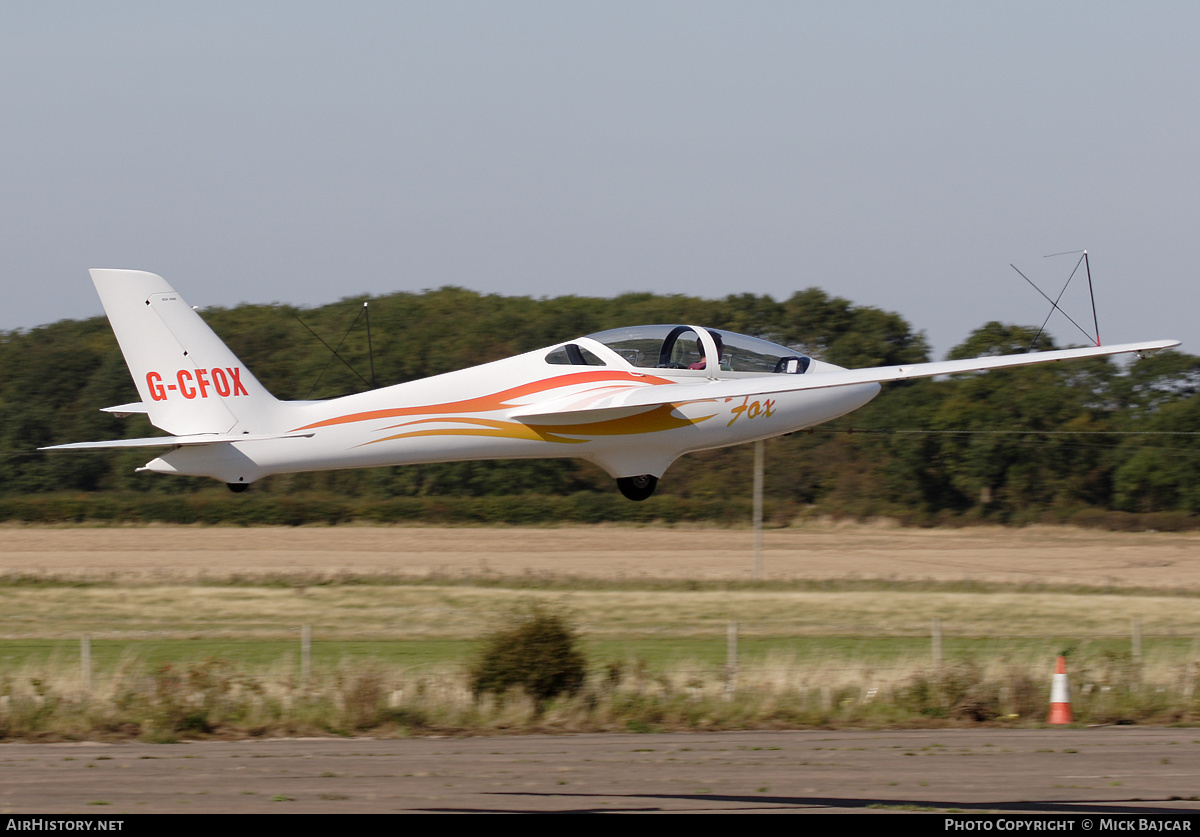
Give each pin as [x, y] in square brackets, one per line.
[235, 372]
[154, 382]
[185, 389]
[220, 382]
[225, 381]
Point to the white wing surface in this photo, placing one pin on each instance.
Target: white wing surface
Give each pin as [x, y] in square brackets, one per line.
[768, 384]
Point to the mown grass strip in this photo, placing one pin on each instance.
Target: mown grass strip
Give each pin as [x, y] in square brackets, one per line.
[759, 653]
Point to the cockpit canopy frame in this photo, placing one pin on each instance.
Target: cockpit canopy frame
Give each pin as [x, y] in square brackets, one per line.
[686, 347]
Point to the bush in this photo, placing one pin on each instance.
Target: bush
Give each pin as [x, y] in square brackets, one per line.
[952, 690]
[535, 650]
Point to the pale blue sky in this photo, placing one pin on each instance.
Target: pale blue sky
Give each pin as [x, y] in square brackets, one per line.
[897, 154]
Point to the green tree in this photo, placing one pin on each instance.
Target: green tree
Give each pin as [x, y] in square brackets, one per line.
[1162, 472]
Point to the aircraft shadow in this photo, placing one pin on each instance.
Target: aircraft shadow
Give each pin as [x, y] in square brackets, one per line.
[763, 802]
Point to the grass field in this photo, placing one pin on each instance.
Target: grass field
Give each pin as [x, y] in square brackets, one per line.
[628, 611]
[204, 624]
[1035, 555]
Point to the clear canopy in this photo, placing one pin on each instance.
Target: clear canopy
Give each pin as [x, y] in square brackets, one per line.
[680, 347]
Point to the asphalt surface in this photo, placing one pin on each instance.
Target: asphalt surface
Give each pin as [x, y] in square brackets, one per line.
[1114, 770]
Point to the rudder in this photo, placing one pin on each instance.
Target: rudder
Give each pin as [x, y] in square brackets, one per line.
[188, 379]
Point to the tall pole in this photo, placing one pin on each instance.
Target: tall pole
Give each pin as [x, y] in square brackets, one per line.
[758, 507]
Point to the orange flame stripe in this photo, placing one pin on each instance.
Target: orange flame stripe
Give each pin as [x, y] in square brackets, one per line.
[651, 421]
[496, 401]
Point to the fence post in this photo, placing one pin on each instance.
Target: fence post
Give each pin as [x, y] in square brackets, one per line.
[305, 654]
[85, 663]
[1189, 671]
[1135, 649]
[936, 637]
[731, 659]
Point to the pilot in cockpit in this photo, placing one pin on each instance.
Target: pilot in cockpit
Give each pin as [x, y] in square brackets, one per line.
[702, 363]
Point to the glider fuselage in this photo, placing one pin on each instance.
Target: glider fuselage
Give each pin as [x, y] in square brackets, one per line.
[470, 414]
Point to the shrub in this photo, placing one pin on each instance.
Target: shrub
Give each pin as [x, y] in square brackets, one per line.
[952, 690]
[535, 650]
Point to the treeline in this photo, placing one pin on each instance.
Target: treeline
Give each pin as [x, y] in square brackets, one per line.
[1087, 441]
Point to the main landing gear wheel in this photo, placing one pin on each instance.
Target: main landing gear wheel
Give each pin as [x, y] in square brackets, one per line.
[637, 488]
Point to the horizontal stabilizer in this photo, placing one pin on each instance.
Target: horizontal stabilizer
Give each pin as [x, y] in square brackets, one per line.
[123, 410]
[650, 396]
[176, 441]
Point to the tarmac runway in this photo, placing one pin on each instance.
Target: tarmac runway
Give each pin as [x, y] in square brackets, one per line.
[1112, 770]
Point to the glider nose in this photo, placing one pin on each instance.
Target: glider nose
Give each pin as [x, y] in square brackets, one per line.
[859, 395]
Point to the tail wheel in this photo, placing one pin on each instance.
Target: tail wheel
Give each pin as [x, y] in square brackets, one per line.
[639, 487]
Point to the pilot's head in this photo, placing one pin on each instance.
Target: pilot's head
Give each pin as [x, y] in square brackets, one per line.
[716, 339]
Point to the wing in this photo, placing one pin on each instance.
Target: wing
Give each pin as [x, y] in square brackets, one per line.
[767, 384]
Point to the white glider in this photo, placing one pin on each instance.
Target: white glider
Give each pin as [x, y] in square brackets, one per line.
[631, 400]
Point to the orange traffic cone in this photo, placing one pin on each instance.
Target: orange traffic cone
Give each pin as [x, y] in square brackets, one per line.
[1060, 695]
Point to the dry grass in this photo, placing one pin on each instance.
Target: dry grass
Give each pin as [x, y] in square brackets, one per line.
[213, 698]
[184, 554]
[433, 612]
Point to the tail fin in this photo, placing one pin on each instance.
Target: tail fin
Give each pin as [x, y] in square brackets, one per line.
[189, 381]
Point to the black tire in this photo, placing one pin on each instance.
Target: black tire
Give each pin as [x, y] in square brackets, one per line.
[237, 487]
[637, 488]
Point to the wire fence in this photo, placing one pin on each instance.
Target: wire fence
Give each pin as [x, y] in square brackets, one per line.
[745, 653]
